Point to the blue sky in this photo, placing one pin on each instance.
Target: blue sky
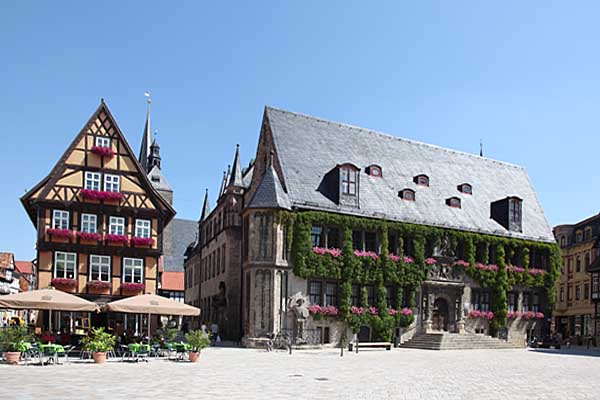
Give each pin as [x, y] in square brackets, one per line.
[521, 76]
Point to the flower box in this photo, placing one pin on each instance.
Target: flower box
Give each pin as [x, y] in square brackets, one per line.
[462, 263]
[132, 287]
[60, 233]
[318, 312]
[430, 261]
[357, 310]
[119, 239]
[101, 195]
[514, 268]
[89, 236]
[103, 151]
[335, 253]
[406, 312]
[482, 314]
[98, 285]
[535, 271]
[362, 253]
[483, 267]
[532, 315]
[65, 282]
[139, 241]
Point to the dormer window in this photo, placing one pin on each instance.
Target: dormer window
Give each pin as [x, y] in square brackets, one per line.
[348, 181]
[508, 212]
[465, 188]
[374, 170]
[421, 180]
[407, 194]
[515, 210]
[453, 202]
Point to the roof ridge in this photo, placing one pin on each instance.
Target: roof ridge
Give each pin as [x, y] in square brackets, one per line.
[390, 136]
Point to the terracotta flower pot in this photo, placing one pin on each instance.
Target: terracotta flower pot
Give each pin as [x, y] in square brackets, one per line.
[194, 356]
[99, 357]
[12, 357]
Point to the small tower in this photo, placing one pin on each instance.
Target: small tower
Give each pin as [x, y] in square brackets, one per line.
[154, 157]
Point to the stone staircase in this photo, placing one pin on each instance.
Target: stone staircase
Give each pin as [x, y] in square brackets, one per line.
[456, 341]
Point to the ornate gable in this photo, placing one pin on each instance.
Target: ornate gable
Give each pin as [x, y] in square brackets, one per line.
[101, 151]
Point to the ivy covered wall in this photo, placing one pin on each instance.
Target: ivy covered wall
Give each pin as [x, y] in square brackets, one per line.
[511, 264]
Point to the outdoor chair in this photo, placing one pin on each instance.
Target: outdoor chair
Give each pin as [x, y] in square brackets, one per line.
[31, 354]
[142, 353]
[49, 354]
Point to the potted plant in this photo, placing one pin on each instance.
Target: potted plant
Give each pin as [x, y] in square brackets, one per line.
[197, 340]
[98, 342]
[12, 340]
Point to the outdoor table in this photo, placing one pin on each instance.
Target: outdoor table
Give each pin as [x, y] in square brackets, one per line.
[51, 350]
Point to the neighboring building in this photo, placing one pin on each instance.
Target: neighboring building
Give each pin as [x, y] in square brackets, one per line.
[99, 223]
[336, 216]
[27, 277]
[213, 265]
[574, 308]
[9, 275]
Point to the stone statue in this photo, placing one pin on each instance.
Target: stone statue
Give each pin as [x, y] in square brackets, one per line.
[297, 303]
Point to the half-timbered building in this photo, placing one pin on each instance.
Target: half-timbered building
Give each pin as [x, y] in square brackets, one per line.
[99, 220]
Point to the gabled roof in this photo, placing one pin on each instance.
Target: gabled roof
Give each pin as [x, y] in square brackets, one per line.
[24, 267]
[158, 180]
[49, 181]
[308, 147]
[270, 193]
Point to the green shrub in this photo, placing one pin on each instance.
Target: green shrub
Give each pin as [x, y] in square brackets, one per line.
[98, 341]
[13, 337]
[197, 340]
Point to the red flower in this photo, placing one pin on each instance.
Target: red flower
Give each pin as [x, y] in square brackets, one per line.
[103, 151]
[98, 284]
[101, 195]
[60, 233]
[139, 241]
[63, 282]
[117, 239]
[132, 287]
[89, 236]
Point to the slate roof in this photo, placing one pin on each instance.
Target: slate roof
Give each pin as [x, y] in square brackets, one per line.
[270, 193]
[177, 235]
[309, 147]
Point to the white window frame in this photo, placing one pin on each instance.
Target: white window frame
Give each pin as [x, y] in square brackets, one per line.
[101, 263]
[112, 182]
[116, 225]
[143, 228]
[67, 259]
[92, 180]
[89, 223]
[60, 219]
[102, 141]
[133, 264]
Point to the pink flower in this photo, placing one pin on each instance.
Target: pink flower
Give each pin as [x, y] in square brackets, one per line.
[357, 310]
[362, 253]
[408, 260]
[430, 261]
[138, 241]
[406, 312]
[373, 311]
[60, 233]
[103, 151]
[514, 268]
[462, 263]
[89, 236]
[392, 311]
[117, 239]
[132, 287]
[394, 257]
[335, 253]
[483, 267]
[101, 195]
[539, 315]
[98, 284]
[63, 282]
[535, 271]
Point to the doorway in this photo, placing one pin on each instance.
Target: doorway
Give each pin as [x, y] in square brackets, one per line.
[440, 315]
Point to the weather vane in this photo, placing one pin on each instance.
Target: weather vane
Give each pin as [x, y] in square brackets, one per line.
[147, 95]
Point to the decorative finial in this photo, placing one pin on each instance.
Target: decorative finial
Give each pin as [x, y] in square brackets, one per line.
[148, 98]
[480, 148]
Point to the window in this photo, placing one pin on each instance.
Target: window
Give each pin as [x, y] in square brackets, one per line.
[535, 302]
[578, 264]
[374, 170]
[100, 268]
[142, 228]
[577, 292]
[223, 259]
[579, 236]
[357, 242]
[314, 292]
[371, 241]
[586, 291]
[331, 294]
[481, 300]
[355, 296]
[526, 302]
[407, 194]
[512, 302]
[64, 265]
[421, 180]
[587, 235]
[88, 223]
[111, 183]
[116, 226]
[562, 294]
[133, 270]
[315, 235]
[453, 202]
[60, 219]
[515, 210]
[465, 188]
[587, 261]
[102, 141]
[392, 242]
[389, 295]
[218, 261]
[371, 295]
[92, 181]
[333, 238]
[348, 181]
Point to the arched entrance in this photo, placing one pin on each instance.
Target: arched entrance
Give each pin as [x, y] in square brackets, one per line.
[439, 320]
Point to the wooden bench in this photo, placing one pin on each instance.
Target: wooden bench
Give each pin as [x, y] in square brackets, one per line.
[369, 345]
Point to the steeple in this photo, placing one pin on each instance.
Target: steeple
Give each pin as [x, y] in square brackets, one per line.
[146, 138]
[154, 157]
[235, 179]
[205, 207]
[223, 183]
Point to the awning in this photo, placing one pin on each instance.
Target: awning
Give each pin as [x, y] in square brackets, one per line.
[46, 299]
[151, 304]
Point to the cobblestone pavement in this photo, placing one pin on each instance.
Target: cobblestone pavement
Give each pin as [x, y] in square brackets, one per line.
[227, 373]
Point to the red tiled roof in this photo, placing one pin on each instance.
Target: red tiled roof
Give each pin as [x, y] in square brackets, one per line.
[24, 267]
[172, 280]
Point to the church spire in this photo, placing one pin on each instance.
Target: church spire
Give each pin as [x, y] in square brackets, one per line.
[223, 183]
[146, 138]
[235, 179]
[205, 207]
